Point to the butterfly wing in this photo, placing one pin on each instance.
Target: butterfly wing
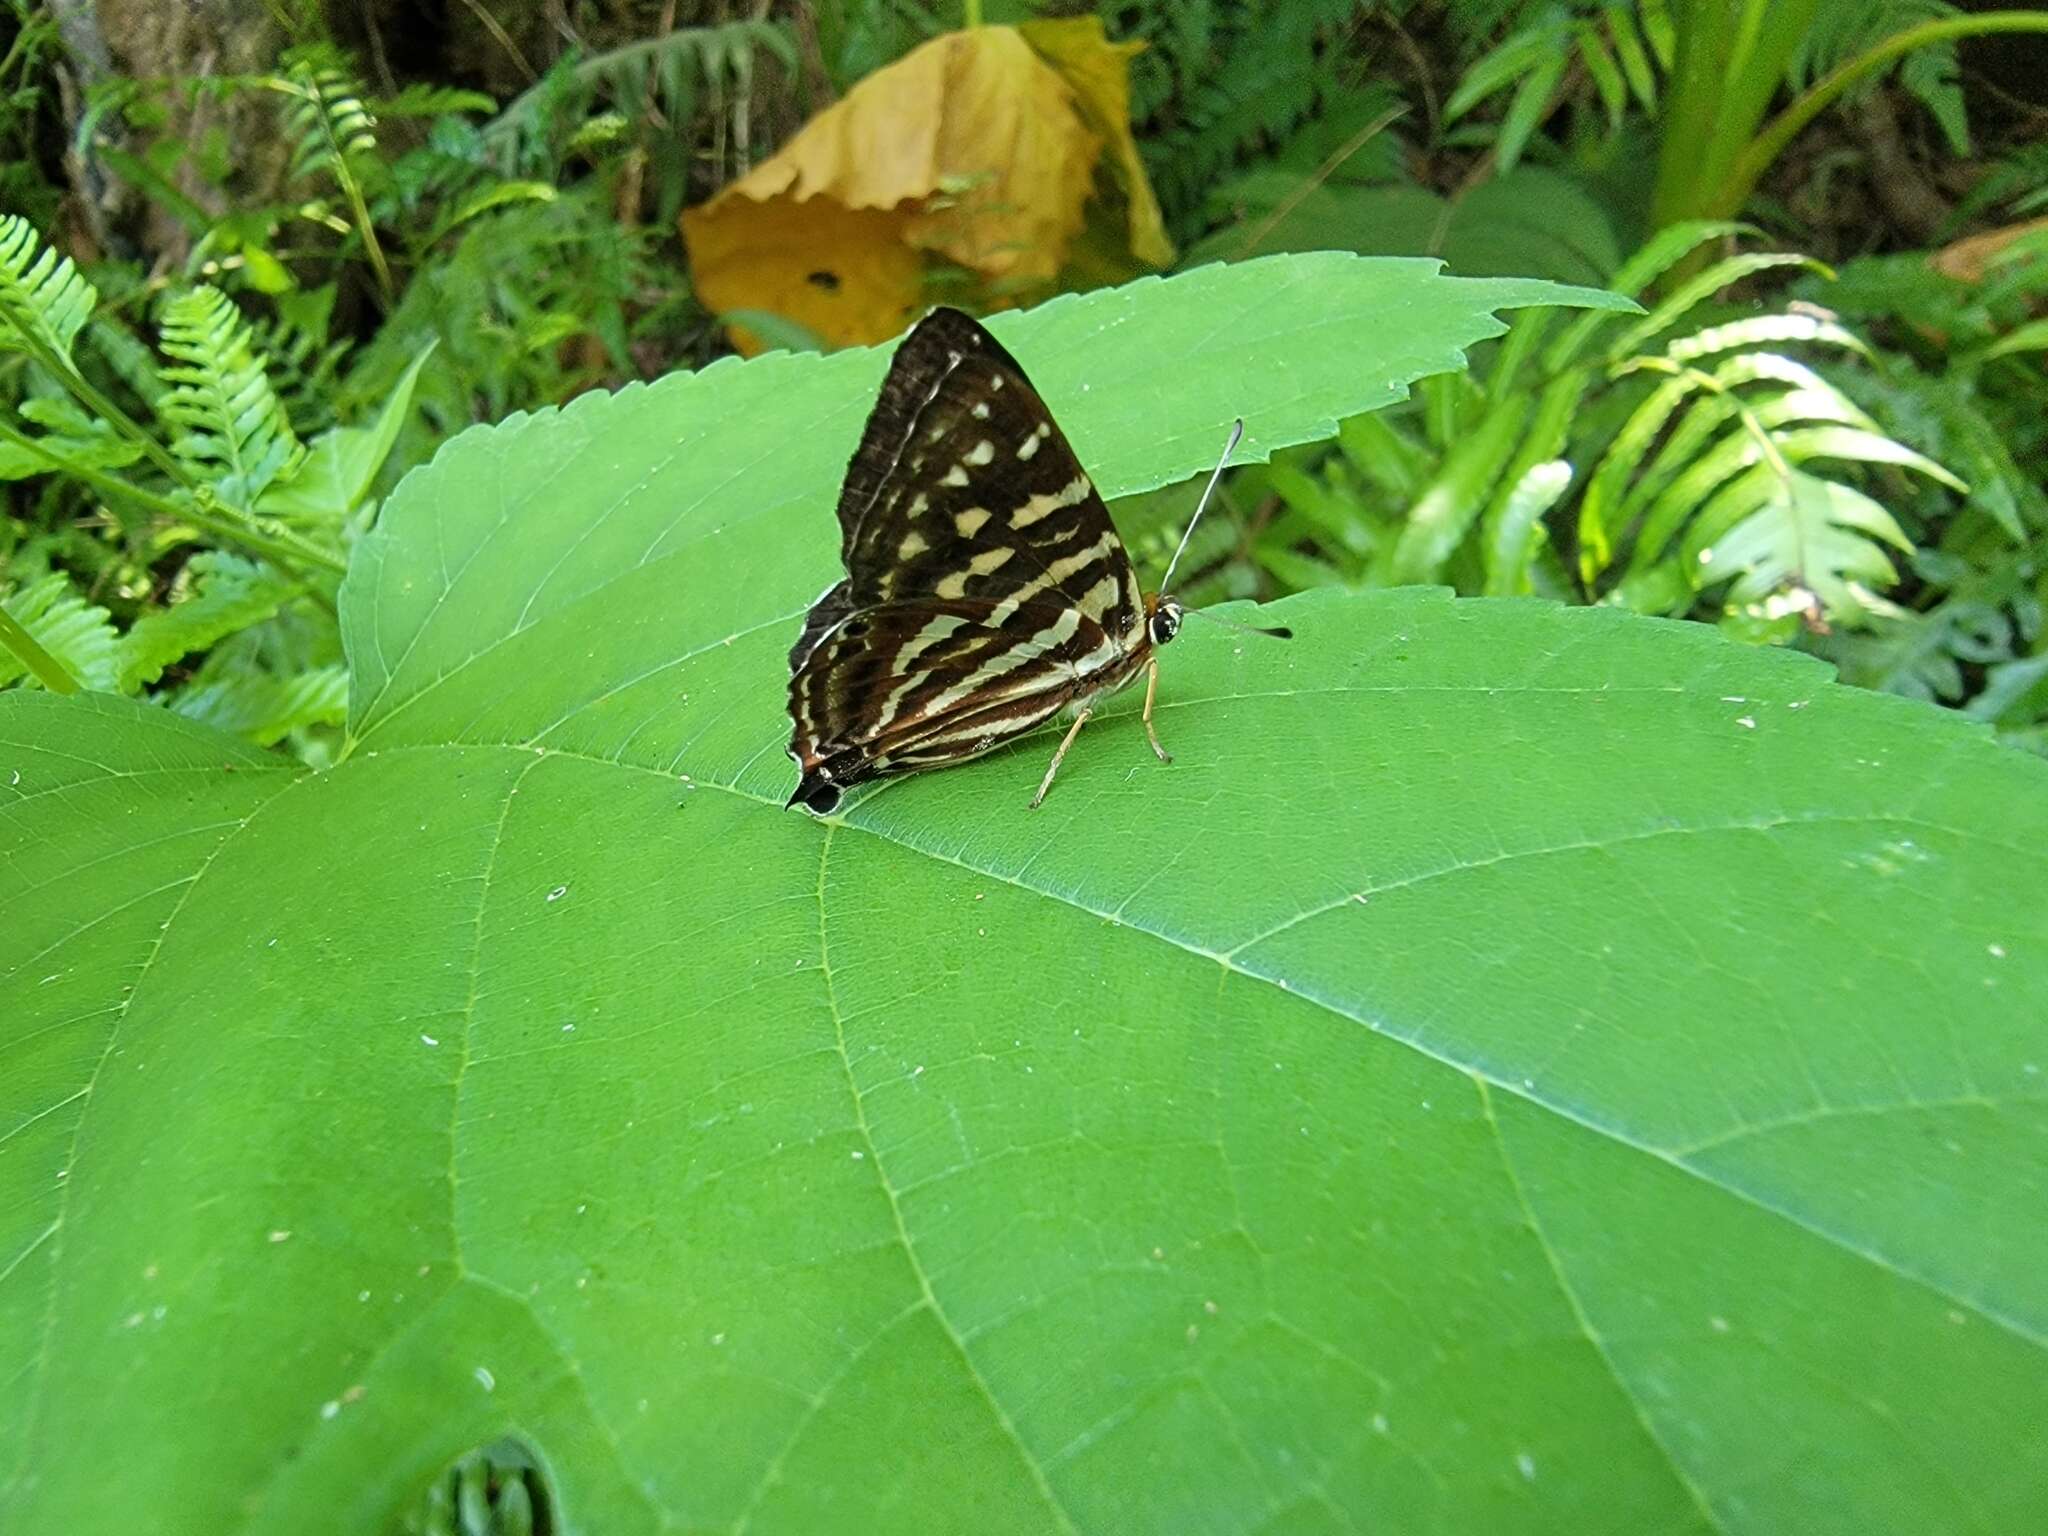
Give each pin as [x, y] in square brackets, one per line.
[975, 546]
[918, 684]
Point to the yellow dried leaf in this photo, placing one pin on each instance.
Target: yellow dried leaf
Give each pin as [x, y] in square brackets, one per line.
[1099, 72]
[973, 150]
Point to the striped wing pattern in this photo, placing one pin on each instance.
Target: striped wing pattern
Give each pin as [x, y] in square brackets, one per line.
[986, 589]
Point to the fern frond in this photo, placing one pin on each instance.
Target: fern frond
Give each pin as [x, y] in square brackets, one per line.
[328, 121]
[222, 594]
[1726, 484]
[225, 421]
[43, 298]
[1808, 542]
[74, 630]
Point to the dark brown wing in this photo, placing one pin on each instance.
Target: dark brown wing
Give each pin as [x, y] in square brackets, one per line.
[984, 578]
[964, 486]
[909, 685]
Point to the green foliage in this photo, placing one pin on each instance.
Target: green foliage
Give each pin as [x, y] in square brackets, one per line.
[44, 300]
[1960, 372]
[1445, 1093]
[248, 639]
[218, 595]
[1843, 29]
[494, 1493]
[1221, 80]
[219, 411]
[1620, 46]
[1661, 464]
[69, 627]
[669, 78]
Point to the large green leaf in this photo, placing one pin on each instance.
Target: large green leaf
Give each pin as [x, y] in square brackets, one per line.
[1518, 1069]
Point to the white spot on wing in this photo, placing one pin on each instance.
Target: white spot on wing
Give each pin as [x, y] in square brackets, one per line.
[912, 546]
[954, 476]
[1030, 444]
[981, 453]
[969, 522]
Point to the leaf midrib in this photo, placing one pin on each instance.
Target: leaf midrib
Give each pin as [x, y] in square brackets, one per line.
[2013, 1326]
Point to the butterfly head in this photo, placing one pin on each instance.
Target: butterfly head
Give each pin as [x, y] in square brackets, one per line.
[1162, 620]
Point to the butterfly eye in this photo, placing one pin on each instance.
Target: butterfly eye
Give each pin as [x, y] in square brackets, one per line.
[1165, 622]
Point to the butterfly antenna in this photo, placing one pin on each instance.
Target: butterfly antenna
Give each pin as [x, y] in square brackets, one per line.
[1236, 436]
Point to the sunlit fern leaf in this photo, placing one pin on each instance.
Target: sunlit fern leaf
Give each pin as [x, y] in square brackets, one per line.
[43, 298]
[225, 421]
[218, 594]
[76, 631]
[265, 707]
[1709, 463]
[1811, 543]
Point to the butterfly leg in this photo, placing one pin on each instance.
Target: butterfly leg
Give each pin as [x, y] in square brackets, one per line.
[1151, 688]
[1054, 767]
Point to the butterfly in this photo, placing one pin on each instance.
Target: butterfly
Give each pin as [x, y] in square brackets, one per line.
[986, 590]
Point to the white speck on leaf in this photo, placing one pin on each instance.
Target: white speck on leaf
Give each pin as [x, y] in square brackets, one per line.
[428, 1040]
[280, 1236]
[859, 1156]
[1997, 951]
[1379, 1423]
[330, 1408]
[1526, 1465]
[1718, 1324]
[485, 1379]
[558, 893]
[1746, 721]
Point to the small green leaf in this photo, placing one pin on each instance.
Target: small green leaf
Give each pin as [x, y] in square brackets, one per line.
[225, 593]
[1528, 109]
[341, 466]
[263, 707]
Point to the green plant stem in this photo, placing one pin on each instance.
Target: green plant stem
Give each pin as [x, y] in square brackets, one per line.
[1757, 156]
[49, 671]
[371, 247]
[970, 13]
[67, 373]
[286, 549]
